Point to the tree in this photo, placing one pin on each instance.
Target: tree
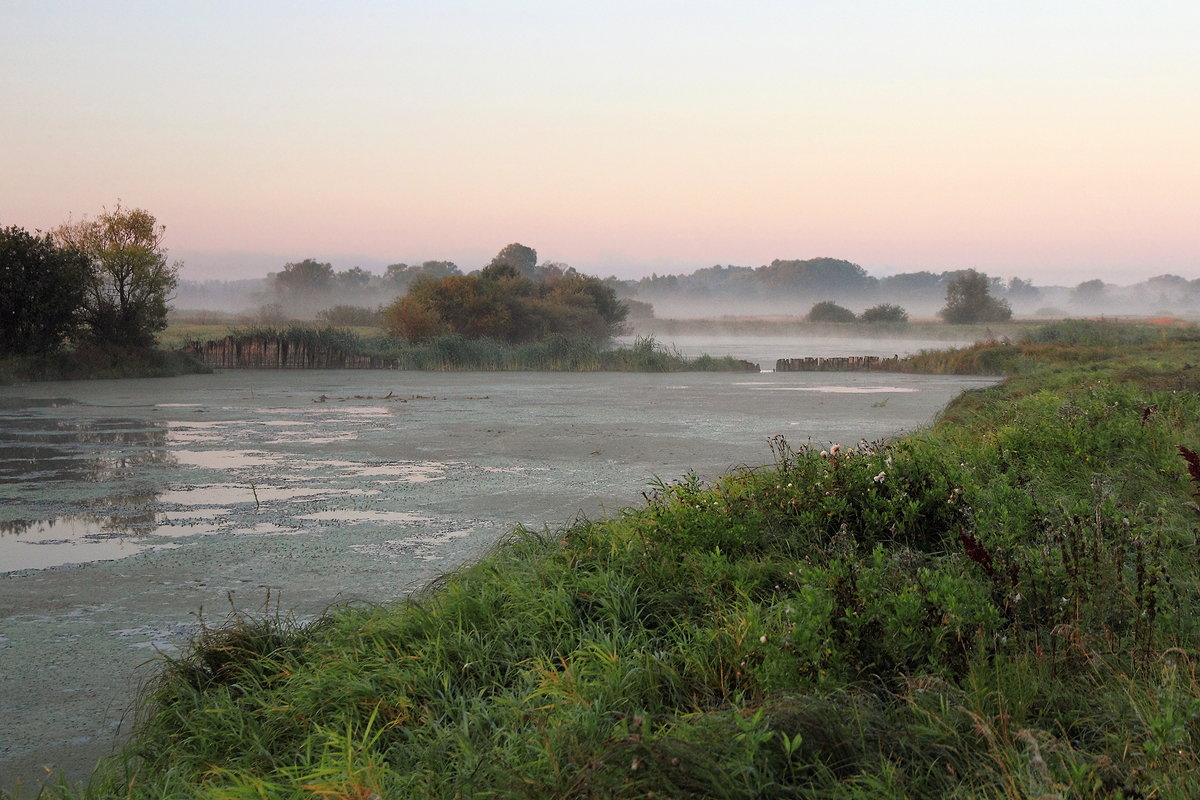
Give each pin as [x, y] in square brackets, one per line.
[829, 311]
[1022, 290]
[354, 279]
[521, 258]
[413, 320]
[303, 281]
[401, 276]
[502, 302]
[1089, 292]
[42, 291]
[913, 285]
[130, 281]
[885, 312]
[828, 276]
[968, 300]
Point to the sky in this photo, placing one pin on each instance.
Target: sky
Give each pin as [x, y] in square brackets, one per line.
[1053, 141]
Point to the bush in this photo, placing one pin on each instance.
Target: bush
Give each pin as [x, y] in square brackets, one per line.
[885, 312]
[828, 311]
[351, 316]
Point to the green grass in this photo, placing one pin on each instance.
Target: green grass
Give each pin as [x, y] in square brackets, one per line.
[1067, 343]
[1001, 606]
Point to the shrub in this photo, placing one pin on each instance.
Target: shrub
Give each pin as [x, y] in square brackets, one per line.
[353, 316]
[885, 312]
[828, 311]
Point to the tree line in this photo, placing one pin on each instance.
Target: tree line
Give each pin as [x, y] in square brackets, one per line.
[830, 277]
[844, 281]
[103, 281]
[968, 301]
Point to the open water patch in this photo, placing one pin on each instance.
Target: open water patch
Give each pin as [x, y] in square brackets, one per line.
[73, 539]
[833, 389]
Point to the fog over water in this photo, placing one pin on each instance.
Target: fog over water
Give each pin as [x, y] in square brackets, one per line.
[766, 350]
[128, 507]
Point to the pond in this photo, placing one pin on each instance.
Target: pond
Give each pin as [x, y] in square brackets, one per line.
[130, 510]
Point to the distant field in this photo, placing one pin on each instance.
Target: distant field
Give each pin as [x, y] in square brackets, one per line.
[795, 326]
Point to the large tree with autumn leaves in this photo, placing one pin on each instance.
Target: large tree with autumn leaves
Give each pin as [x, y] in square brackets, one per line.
[130, 281]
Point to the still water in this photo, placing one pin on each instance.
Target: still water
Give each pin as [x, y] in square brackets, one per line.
[765, 350]
[129, 509]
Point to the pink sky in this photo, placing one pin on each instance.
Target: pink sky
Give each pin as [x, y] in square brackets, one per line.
[1059, 144]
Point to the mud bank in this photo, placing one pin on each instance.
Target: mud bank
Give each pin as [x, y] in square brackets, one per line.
[129, 509]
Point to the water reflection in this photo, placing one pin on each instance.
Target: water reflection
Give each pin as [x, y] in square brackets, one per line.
[97, 451]
[75, 489]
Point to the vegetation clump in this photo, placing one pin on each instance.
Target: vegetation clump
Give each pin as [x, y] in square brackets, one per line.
[829, 311]
[87, 300]
[130, 281]
[999, 606]
[43, 292]
[884, 313]
[969, 300]
[509, 300]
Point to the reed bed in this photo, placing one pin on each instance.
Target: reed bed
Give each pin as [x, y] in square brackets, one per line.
[555, 353]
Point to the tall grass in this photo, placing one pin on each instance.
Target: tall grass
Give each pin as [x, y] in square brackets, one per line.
[1001, 606]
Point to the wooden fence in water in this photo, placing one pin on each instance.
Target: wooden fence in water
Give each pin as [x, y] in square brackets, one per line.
[837, 364]
[280, 353]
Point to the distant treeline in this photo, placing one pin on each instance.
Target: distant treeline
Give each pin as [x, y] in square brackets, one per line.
[831, 278]
[308, 288]
[817, 279]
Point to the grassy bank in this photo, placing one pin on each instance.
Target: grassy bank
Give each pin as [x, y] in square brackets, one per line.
[1095, 344]
[90, 362]
[1000, 606]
